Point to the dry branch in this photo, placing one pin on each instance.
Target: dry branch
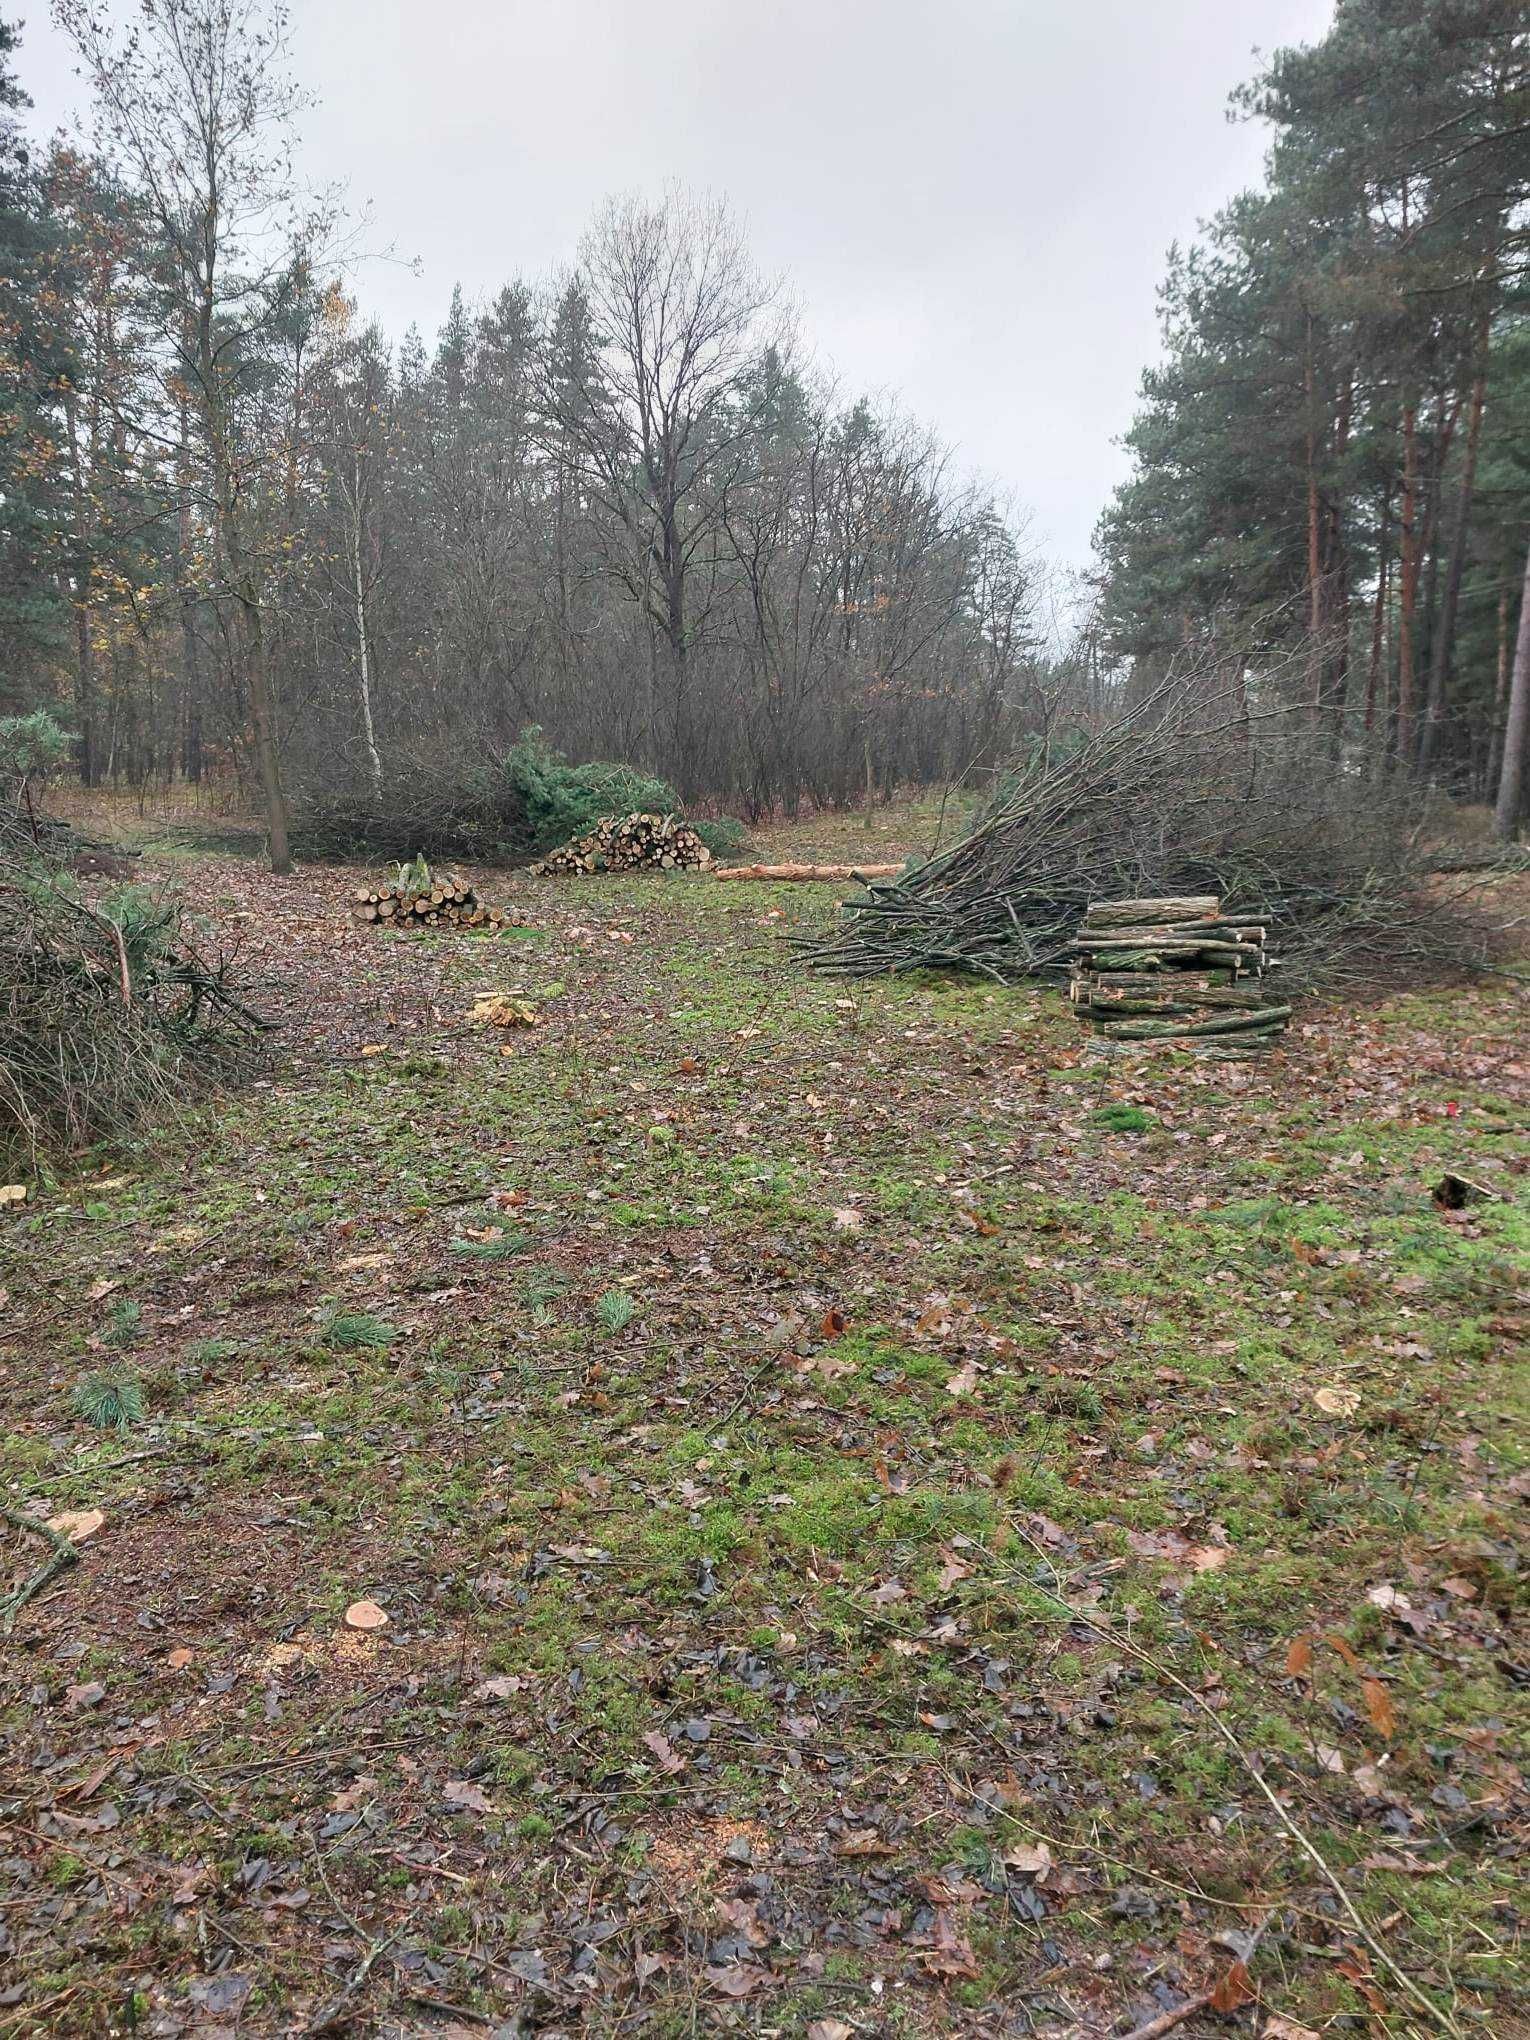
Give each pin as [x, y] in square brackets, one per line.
[1191, 797]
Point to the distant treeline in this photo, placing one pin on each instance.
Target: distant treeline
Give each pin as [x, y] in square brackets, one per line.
[240, 525]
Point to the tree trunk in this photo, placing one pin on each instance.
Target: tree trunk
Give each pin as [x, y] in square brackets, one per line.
[1500, 697]
[263, 731]
[1314, 542]
[1444, 628]
[1516, 733]
[1378, 620]
[1407, 587]
[363, 649]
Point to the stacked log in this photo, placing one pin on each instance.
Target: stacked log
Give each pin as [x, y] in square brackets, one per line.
[630, 843]
[1175, 970]
[438, 903]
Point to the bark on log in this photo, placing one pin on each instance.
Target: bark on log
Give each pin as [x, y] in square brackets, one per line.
[1126, 913]
[1267, 1020]
[809, 873]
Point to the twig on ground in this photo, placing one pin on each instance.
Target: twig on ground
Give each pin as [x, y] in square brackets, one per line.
[62, 1556]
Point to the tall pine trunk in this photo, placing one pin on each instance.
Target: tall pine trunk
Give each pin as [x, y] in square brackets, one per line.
[1408, 573]
[1516, 729]
[1442, 645]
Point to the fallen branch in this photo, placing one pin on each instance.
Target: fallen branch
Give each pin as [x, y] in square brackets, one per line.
[1167, 2021]
[62, 1556]
[834, 874]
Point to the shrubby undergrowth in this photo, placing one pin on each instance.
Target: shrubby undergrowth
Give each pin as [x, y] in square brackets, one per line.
[515, 807]
[111, 1014]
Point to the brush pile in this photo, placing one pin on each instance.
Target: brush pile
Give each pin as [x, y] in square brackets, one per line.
[112, 1016]
[1190, 792]
[640, 842]
[1174, 970]
[425, 902]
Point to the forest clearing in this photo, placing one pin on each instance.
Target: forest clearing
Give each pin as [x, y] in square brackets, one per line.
[764, 1087]
[881, 1521]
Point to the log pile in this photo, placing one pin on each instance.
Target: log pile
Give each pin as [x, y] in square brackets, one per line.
[430, 903]
[1175, 970]
[630, 843]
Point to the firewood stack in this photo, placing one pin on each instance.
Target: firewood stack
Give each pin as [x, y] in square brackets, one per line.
[630, 843]
[1175, 970]
[433, 903]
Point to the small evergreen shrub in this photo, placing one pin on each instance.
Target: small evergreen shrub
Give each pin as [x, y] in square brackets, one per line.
[112, 1402]
[613, 1313]
[350, 1331]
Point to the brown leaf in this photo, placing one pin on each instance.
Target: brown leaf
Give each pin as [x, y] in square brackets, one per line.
[735, 1979]
[1378, 1705]
[863, 1842]
[464, 1793]
[1030, 1859]
[1233, 1989]
[1299, 1657]
[835, 1323]
[661, 1747]
[498, 1689]
[951, 1954]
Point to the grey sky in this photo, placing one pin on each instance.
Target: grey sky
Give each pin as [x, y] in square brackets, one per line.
[971, 200]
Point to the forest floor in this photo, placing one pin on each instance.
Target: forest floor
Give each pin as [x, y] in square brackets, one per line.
[887, 1522]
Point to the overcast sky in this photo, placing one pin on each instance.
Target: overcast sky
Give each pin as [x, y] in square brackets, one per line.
[971, 199]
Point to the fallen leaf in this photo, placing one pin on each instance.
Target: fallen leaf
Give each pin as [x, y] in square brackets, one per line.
[1378, 1705]
[365, 1615]
[659, 1745]
[1299, 1657]
[1233, 1989]
[177, 1660]
[1030, 1859]
[464, 1793]
[734, 1979]
[497, 1689]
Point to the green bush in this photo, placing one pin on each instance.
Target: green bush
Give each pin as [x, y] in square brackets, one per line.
[724, 835]
[561, 801]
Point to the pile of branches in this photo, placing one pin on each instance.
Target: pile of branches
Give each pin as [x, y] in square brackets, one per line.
[111, 1015]
[475, 814]
[1190, 791]
[631, 843]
